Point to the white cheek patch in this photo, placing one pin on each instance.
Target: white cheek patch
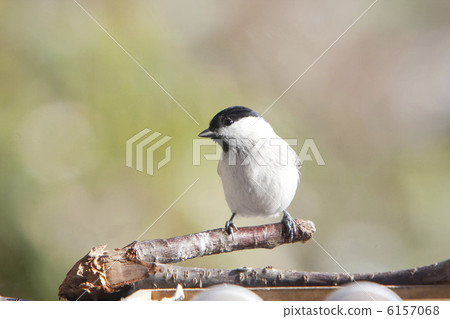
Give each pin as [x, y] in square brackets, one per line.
[248, 127]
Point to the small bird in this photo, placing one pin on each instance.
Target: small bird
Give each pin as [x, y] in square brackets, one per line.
[258, 169]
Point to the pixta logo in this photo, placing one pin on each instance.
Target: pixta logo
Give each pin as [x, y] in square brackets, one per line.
[144, 146]
[308, 148]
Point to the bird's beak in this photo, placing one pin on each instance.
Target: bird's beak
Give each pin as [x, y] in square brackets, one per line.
[207, 133]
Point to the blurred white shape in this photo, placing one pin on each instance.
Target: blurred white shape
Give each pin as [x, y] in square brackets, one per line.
[140, 295]
[56, 142]
[226, 293]
[178, 296]
[146, 295]
[363, 290]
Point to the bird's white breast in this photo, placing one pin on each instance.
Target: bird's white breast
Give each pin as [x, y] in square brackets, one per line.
[259, 181]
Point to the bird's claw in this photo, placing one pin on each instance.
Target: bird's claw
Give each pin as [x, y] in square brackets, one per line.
[289, 226]
[230, 228]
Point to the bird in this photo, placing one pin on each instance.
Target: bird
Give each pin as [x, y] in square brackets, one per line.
[258, 169]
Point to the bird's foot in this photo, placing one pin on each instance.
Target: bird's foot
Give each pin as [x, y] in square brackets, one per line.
[289, 226]
[230, 228]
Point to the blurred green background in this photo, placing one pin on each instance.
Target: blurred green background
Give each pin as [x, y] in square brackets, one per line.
[377, 106]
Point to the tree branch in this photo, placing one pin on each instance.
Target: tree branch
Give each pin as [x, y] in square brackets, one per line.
[104, 272]
[156, 275]
[217, 241]
[110, 275]
[168, 276]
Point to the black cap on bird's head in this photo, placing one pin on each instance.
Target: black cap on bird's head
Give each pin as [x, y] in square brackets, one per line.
[226, 118]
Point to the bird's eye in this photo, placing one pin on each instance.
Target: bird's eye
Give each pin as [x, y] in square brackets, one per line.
[227, 121]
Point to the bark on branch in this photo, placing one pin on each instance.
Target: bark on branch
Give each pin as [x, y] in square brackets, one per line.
[101, 273]
[216, 241]
[110, 275]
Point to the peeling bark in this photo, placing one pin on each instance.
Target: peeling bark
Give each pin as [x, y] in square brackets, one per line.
[155, 275]
[110, 275]
[102, 273]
